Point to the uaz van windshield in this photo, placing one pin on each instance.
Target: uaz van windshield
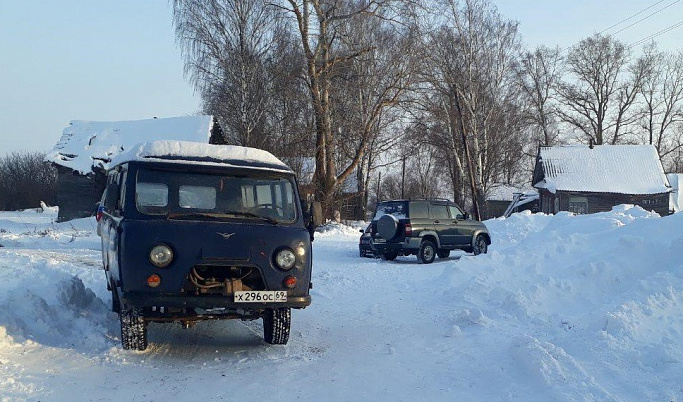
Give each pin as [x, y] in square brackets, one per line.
[211, 196]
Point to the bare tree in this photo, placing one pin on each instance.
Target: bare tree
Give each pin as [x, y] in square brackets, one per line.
[598, 100]
[473, 54]
[538, 76]
[26, 180]
[662, 94]
[321, 25]
[227, 45]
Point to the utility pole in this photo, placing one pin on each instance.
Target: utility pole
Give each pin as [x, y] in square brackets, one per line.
[403, 177]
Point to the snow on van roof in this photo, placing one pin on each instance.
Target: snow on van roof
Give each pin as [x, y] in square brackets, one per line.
[88, 145]
[199, 153]
[620, 169]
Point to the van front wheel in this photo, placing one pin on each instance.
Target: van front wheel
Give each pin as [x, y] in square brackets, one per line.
[133, 330]
[276, 325]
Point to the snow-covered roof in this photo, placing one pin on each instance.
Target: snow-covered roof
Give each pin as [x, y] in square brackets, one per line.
[87, 145]
[620, 169]
[199, 153]
[676, 196]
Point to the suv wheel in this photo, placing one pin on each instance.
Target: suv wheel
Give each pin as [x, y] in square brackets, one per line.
[427, 252]
[480, 246]
[390, 256]
[443, 253]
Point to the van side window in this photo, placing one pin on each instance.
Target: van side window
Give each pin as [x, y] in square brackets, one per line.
[122, 191]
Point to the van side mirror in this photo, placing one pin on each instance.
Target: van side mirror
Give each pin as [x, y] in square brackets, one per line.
[111, 197]
[313, 215]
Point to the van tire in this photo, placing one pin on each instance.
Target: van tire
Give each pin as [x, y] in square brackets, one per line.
[133, 330]
[276, 325]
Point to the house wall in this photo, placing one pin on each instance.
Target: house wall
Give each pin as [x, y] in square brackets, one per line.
[591, 203]
[77, 195]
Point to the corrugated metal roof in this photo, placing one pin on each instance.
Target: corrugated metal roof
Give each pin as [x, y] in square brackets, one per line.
[620, 169]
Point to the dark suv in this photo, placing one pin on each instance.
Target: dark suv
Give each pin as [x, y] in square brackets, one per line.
[426, 228]
[196, 232]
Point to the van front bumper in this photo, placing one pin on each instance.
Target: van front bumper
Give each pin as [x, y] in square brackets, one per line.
[209, 302]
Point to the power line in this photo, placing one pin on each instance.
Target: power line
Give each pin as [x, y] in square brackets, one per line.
[644, 18]
[632, 16]
[639, 21]
[656, 34]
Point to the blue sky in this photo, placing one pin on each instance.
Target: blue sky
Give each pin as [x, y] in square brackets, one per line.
[63, 60]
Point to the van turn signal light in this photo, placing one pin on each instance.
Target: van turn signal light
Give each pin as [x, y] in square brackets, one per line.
[153, 281]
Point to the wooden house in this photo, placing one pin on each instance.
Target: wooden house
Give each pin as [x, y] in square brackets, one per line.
[85, 148]
[587, 179]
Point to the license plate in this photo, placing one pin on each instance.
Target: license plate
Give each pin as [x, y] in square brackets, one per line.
[380, 240]
[260, 296]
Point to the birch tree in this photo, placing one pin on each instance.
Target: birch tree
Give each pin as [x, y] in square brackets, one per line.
[473, 54]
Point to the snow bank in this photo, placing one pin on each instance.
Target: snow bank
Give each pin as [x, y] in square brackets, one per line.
[563, 308]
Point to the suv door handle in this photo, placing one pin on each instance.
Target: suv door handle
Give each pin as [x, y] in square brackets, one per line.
[437, 221]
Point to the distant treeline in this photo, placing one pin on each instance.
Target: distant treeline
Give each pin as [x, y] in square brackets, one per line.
[26, 180]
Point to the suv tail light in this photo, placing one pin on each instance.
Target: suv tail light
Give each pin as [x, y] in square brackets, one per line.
[409, 229]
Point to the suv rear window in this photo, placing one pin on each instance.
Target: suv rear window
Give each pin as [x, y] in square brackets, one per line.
[399, 209]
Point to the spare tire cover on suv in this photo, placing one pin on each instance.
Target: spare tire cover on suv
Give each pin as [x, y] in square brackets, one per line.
[387, 226]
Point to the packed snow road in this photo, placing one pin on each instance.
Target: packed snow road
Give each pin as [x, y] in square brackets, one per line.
[563, 308]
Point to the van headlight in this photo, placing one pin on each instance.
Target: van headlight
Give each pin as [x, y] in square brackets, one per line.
[285, 259]
[161, 255]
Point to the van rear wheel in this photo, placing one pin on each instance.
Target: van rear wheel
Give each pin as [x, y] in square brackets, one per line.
[276, 325]
[133, 330]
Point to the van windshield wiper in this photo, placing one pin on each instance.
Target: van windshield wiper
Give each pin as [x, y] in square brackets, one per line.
[253, 215]
[222, 215]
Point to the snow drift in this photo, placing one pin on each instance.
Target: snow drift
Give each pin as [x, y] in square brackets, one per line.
[563, 308]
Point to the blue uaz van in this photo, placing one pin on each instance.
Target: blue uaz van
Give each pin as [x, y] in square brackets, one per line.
[195, 232]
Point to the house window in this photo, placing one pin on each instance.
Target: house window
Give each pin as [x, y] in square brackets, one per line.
[578, 205]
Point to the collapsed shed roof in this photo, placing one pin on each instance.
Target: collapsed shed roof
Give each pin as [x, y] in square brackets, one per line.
[86, 146]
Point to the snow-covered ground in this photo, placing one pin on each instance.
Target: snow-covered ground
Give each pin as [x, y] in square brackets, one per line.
[563, 308]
